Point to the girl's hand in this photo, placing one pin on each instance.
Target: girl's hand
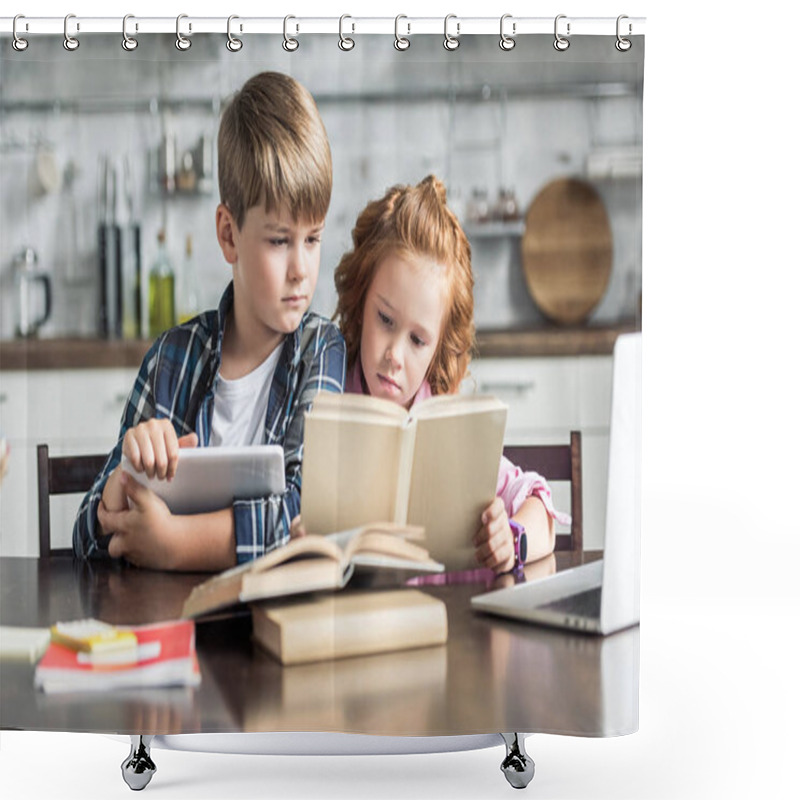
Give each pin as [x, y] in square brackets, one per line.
[152, 447]
[296, 529]
[146, 534]
[494, 542]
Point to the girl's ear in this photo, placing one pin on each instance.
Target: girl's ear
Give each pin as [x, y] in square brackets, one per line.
[227, 233]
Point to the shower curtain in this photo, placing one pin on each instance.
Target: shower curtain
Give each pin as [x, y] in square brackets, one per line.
[538, 141]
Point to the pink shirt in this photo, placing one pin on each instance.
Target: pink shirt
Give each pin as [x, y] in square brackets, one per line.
[513, 485]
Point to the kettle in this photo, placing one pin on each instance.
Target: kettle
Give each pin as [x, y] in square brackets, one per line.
[29, 284]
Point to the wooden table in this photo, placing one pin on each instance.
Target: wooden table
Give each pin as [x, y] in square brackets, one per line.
[492, 675]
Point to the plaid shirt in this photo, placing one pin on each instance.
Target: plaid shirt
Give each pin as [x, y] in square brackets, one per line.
[176, 382]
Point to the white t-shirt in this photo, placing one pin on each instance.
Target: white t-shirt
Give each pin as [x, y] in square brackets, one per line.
[240, 406]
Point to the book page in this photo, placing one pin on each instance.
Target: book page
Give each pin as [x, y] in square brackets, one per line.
[387, 545]
[224, 589]
[404, 468]
[454, 478]
[360, 405]
[350, 472]
[306, 545]
[446, 405]
[295, 577]
[343, 539]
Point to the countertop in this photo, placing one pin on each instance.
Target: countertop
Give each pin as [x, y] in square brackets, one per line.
[72, 353]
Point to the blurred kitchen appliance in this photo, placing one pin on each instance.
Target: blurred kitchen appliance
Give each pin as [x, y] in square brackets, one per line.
[108, 253]
[130, 252]
[33, 291]
[189, 171]
[119, 252]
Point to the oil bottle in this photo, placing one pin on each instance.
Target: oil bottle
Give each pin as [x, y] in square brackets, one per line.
[162, 290]
[188, 301]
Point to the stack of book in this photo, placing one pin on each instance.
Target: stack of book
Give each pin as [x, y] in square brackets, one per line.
[345, 624]
[90, 656]
[318, 622]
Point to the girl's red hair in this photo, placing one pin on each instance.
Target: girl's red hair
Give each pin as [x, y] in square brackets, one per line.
[413, 221]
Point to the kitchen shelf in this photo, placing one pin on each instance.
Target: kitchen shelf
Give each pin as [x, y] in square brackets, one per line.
[83, 353]
[155, 105]
[494, 230]
[551, 340]
[71, 353]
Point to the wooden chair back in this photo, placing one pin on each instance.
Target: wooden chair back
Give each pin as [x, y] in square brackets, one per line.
[75, 475]
[561, 462]
[61, 475]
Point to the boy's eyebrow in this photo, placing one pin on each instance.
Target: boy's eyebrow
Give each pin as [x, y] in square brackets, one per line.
[269, 226]
[278, 228]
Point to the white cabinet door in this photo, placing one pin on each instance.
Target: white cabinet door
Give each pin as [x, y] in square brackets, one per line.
[77, 405]
[74, 412]
[18, 510]
[17, 505]
[541, 393]
[14, 406]
[547, 398]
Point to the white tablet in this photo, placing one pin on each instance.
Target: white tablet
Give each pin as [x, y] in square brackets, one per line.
[210, 478]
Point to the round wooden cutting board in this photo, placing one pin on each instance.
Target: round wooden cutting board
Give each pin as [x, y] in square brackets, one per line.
[566, 250]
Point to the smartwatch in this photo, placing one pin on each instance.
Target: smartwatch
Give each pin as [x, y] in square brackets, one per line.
[520, 543]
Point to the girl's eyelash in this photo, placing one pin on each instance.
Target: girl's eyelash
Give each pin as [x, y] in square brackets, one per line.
[383, 318]
[417, 341]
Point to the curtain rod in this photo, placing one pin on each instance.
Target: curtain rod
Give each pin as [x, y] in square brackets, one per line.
[186, 25]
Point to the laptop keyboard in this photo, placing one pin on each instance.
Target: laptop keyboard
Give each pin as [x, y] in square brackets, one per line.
[582, 604]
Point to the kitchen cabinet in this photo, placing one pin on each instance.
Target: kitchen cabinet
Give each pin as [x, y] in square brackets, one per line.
[74, 412]
[547, 398]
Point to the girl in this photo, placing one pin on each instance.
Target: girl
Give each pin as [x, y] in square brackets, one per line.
[406, 313]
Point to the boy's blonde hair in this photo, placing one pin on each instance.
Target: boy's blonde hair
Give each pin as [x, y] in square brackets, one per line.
[413, 221]
[273, 150]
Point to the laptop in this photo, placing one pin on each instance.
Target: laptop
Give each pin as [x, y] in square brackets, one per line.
[601, 597]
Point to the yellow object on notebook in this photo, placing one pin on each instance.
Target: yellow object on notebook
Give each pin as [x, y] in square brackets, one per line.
[92, 636]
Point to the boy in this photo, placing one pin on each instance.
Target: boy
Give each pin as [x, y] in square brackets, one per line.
[245, 373]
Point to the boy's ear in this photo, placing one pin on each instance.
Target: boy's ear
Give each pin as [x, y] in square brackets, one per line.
[227, 233]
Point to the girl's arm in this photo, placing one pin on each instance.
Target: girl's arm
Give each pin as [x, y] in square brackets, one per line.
[539, 528]
[494, 542]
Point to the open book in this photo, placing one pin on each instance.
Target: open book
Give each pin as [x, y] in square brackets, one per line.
[312, 563]
[436, 466]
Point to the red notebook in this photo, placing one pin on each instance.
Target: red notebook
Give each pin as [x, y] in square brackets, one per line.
[165, 656]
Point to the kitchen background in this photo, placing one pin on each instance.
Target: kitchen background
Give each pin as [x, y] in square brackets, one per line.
[129, 138]
[507, 121]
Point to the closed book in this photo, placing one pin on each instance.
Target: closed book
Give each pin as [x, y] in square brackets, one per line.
[349, 624]
[313, 563]
[167, 657]
[23, 644]
[435, 466]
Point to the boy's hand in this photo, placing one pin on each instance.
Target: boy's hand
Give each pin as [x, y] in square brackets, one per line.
[152, 447]
[494, 542]
[146, 533]
[296, 529]
[114, 497]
